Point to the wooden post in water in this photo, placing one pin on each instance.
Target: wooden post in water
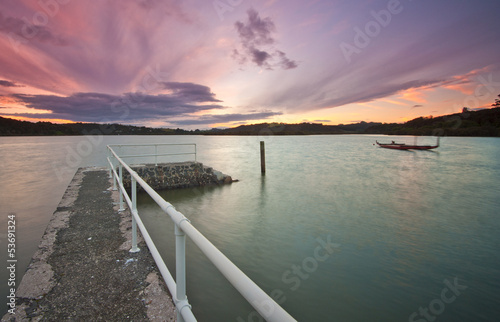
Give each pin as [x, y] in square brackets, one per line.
[262, 158]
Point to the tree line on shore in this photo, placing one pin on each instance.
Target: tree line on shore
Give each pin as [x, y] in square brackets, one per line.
[485, 122]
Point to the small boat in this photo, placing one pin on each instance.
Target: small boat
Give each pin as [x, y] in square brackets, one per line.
[404, 146]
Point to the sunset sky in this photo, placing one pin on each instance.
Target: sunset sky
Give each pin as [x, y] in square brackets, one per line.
[201, 64]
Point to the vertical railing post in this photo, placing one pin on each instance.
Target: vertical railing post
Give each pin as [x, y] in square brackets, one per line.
[108, 153]
[120, 173]
[195, 157]
[115, 179]
[180, 267]
[134, 248]
[112, 165]
[156, 155]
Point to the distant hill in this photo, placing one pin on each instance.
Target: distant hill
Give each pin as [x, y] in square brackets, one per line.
[14, 127]
[293, 129]
[10, 127]
[468, 123]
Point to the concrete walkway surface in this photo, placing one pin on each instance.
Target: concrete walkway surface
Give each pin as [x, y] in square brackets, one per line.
[83, 269]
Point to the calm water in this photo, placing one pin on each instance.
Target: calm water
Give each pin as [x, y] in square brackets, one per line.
[405, 231]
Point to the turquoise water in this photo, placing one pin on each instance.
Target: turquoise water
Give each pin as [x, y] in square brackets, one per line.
[409, 235]
[402, 222]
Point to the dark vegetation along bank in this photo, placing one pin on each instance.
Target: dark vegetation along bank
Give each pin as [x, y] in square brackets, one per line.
[468, 123]
[484, 122]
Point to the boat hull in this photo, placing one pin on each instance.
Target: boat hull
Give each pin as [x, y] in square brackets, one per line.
[403, 146]
[407, 147]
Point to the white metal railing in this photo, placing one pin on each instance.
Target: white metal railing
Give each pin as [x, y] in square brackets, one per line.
[155, 154]
[262, 302]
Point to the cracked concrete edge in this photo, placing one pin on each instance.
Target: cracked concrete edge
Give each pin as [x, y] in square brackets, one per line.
[38, 279]
[158, 302]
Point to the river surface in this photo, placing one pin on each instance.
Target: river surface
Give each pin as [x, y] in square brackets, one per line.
[337, 230]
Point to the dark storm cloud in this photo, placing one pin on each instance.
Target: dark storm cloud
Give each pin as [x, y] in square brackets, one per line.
[285, 62]
[185, 99]
[257, 43]
[256, 31]
[6, 83]
[191, 92]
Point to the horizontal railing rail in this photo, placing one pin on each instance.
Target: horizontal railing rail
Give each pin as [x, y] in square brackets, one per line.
[156, 154]
[262, 302]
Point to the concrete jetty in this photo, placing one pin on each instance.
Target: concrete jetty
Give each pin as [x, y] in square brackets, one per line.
[83, 269]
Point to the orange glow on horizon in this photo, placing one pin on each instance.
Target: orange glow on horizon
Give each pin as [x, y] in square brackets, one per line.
[34, 120]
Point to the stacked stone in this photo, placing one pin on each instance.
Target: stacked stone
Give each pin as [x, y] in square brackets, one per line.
[177, 175]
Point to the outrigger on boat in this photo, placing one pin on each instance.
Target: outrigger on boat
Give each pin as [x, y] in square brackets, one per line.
[404, 146]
